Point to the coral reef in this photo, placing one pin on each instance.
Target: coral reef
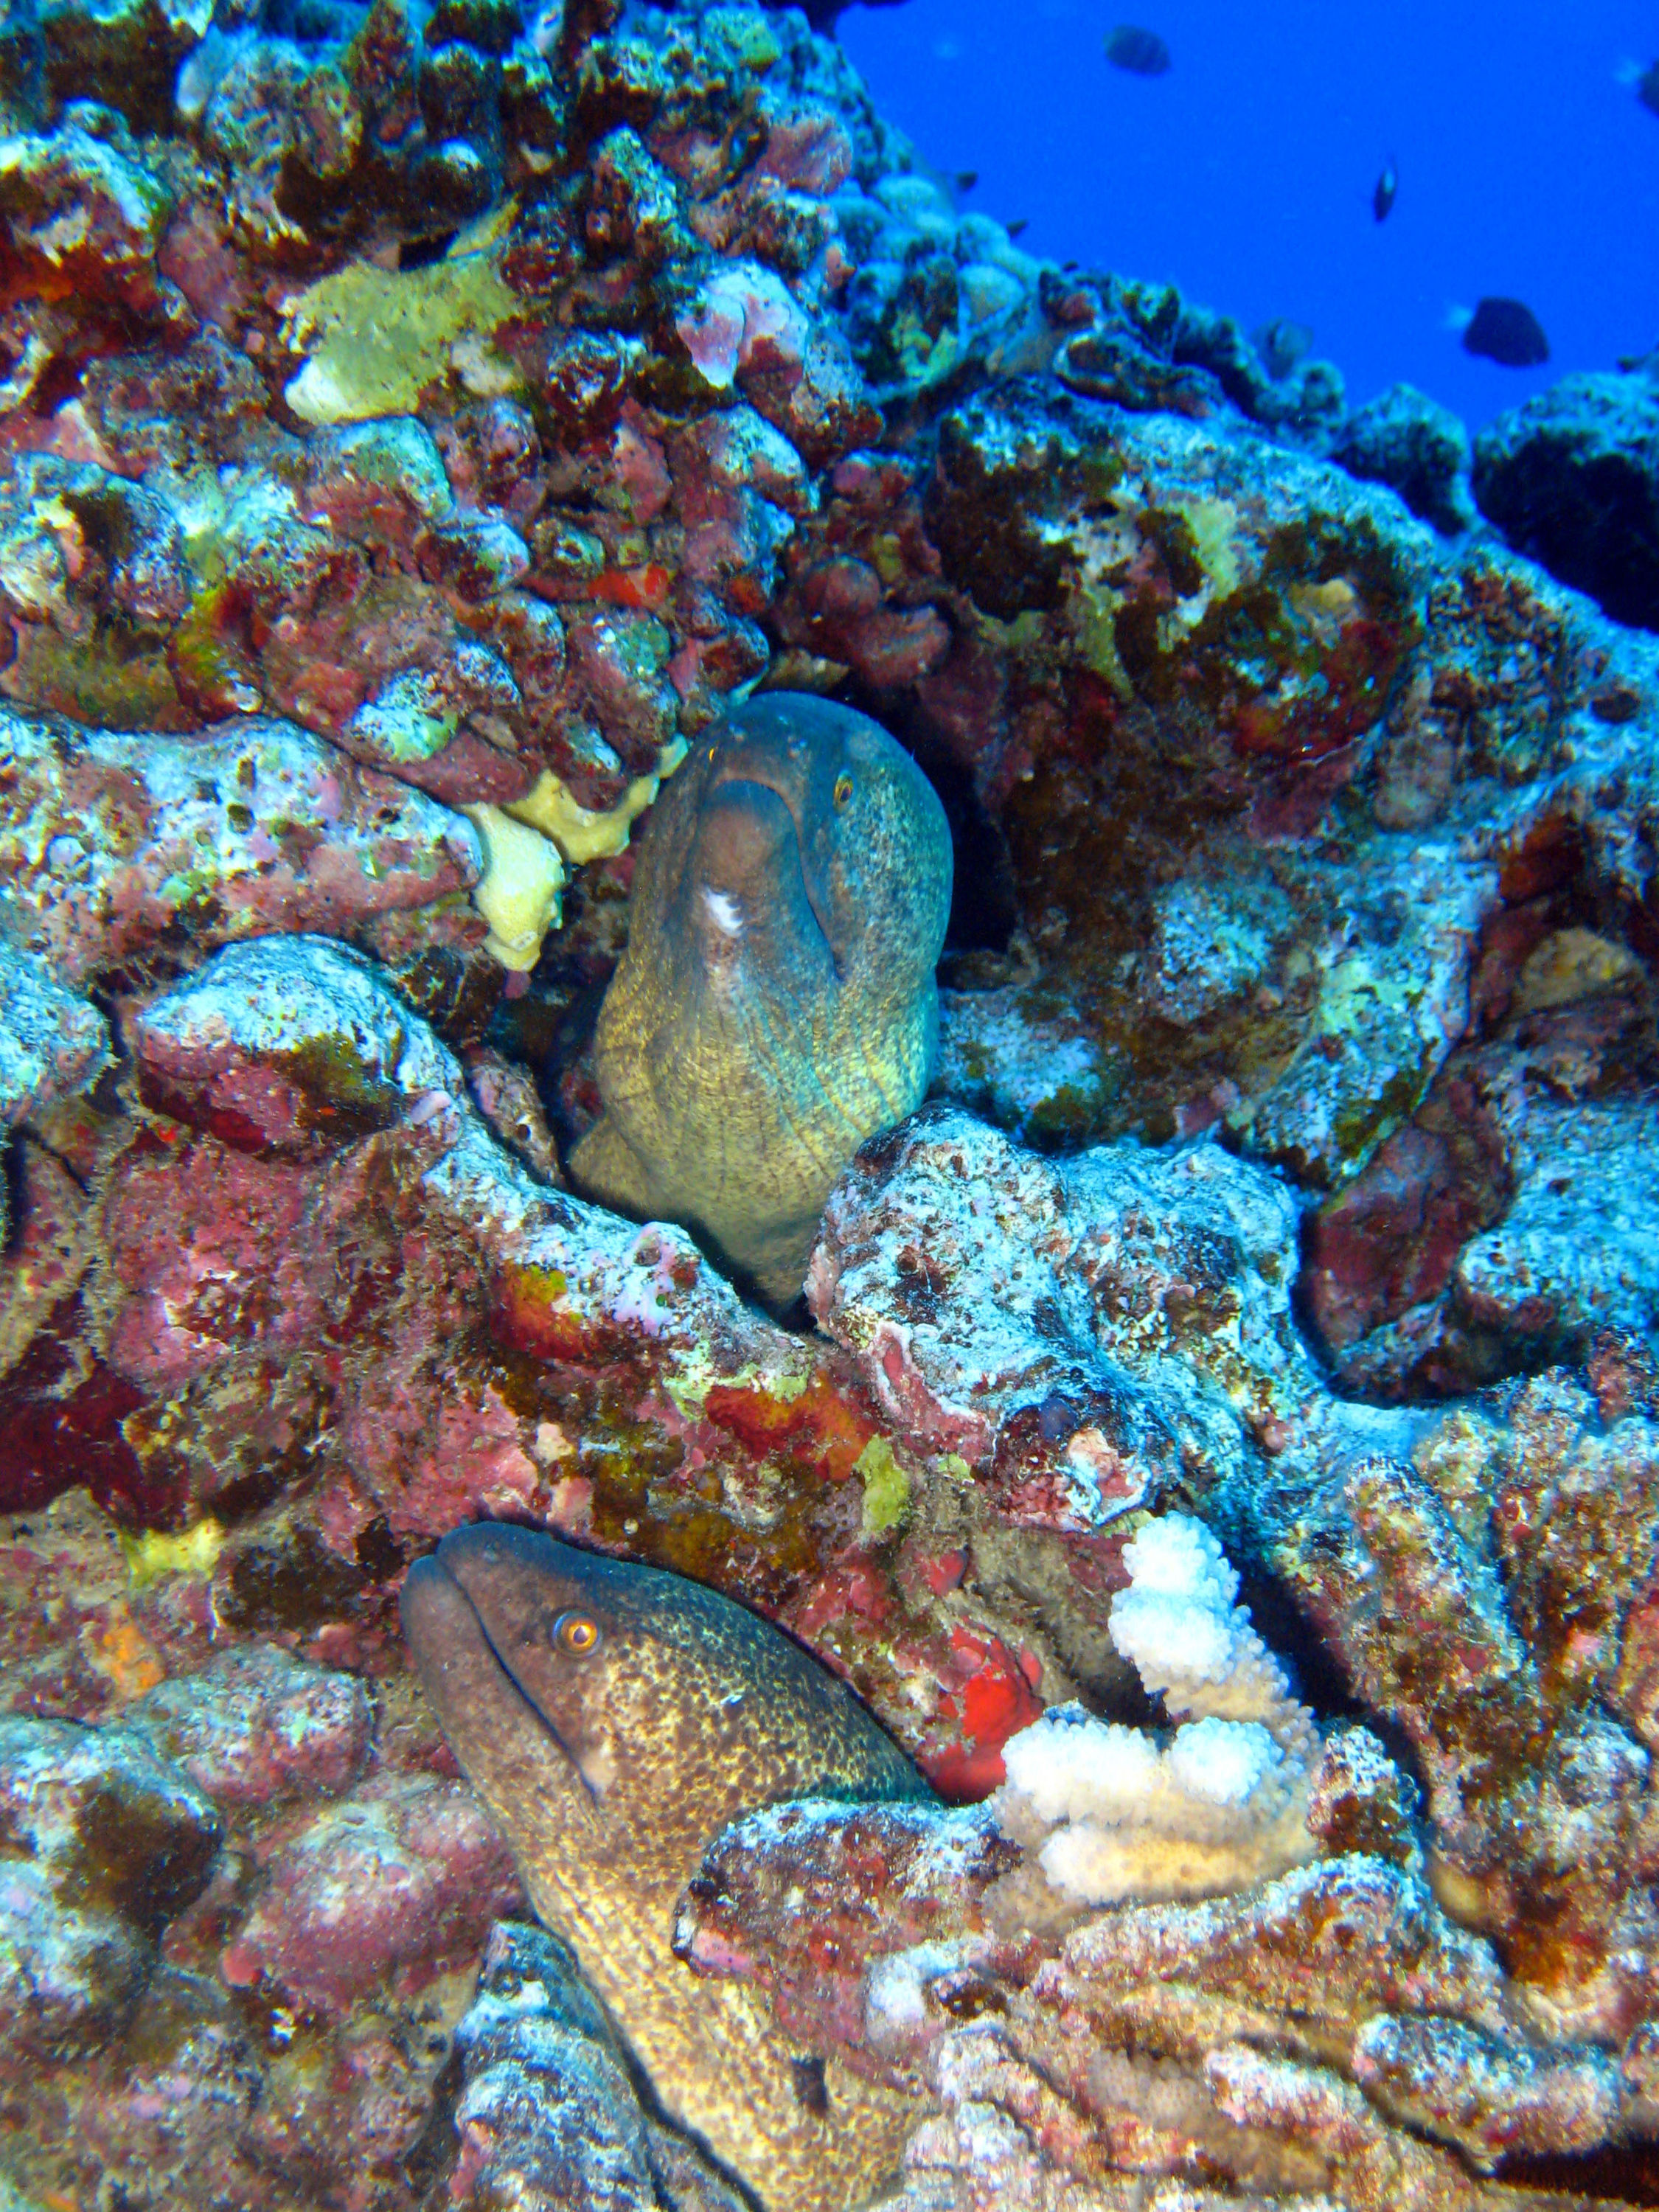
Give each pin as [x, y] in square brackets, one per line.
[417, 427]
[1109, 1813]
[1571, 479]
[1404, 439]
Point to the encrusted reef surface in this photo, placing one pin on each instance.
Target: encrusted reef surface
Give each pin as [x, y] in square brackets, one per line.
[415, 425]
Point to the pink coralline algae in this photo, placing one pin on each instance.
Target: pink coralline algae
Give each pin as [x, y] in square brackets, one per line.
[412, 438]
[380, 1883]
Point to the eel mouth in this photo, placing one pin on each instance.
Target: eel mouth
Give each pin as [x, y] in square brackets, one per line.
[462, 1616]
[747, 777]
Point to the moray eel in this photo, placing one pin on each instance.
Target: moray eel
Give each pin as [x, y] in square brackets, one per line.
[775, 1004]
[614, 1717]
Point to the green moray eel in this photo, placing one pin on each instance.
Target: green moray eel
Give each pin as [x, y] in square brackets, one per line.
[614, 1717]
[776, 1005]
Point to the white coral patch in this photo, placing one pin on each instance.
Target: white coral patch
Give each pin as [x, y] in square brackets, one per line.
[1068, 1766]
[1226, 1761]
[1112, 1811]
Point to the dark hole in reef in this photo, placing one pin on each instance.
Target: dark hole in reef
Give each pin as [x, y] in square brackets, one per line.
[1057, 1419]
[378, 1552]
[549, 1029]
[1314, 1674]
[139, 1858]
[984, 910]
[11, 1168]
[60, 379]
[1629, 2173]
[313, 22]
[796, 1318]
[294, 1583]
[429, 2161]
[105, 1097]
[421, 252]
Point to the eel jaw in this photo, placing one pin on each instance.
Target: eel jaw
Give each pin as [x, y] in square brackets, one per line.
[465, 1674]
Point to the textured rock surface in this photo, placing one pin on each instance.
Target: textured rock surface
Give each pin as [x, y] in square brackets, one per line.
[415, 426]
[1141, 2040]
[51, 1044]
[1404, 439]
[548, 2115]
[104, 1844]
[1571, 478]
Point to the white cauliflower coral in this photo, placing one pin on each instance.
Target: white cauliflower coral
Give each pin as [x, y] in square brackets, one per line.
[1112, 1811]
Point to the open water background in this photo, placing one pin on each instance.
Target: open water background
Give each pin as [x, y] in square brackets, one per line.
[1526, 166]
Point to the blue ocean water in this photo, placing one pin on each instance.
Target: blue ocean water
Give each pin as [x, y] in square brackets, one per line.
[1526, 166]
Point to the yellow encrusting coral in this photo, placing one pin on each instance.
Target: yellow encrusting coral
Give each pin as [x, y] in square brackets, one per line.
[151, 1554]
[519, 894]
[527, 844]
[886, 1487]
[378, 337]
[585, 833]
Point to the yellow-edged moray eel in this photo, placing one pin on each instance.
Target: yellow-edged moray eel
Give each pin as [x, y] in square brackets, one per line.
[614, 1717]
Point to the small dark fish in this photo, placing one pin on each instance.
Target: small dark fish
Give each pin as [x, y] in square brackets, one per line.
[1281, 344]
[966, 180]
[1382, 194]
[1647, 88]
[1506, 331]
[1143, 53]
[1015, 228]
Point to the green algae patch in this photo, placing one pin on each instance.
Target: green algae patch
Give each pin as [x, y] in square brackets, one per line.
[114, 679]
[378, 337]
[746, 36]
[886, 1487]
[1354, 993]
[151, 1554]
[343, 1101]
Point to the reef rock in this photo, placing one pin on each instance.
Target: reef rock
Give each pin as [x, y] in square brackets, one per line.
[1571, 478]
[1199, 2040]
[548, 2114]
[1404, 439]
[416, 426]
[106, 1845]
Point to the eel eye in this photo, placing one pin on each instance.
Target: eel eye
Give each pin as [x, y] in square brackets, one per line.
[577, 1633]
[843, 790]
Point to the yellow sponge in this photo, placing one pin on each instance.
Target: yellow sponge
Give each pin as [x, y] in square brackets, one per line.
[580, 833]
[518, 896]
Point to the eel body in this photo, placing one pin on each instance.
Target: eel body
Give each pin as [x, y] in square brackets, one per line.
[614, 1717]
[775, 1004]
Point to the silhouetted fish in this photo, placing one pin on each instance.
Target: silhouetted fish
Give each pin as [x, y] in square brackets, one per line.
[1506, 331]
[1281, 344]
[1647, 88]
[1015, 228]
[966, 180]
[1143, 53]
[1382, 196]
